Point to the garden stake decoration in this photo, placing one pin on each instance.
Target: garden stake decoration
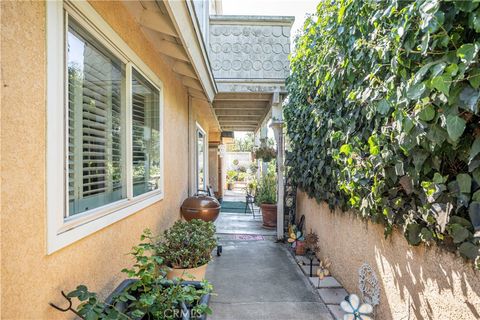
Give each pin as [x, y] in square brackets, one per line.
[294, 236]
[354, 310]
[323, 270]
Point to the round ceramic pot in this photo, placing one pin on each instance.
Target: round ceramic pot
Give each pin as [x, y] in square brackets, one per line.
[198, 273]
[269, 214]
[201, 207]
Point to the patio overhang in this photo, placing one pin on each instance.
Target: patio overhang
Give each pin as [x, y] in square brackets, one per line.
[249, 56]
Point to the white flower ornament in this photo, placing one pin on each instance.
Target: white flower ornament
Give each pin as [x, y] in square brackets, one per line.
[355, 311]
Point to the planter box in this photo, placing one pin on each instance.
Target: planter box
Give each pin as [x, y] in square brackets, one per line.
[185, 310]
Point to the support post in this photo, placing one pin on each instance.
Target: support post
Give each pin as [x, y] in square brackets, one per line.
[264, 165]
[277, 126]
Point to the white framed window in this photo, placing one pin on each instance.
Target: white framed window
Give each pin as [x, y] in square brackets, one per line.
[200, 158]
[104, 126]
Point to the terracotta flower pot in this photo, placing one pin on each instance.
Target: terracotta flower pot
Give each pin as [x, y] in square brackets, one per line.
[269, 214]
[300, 249]
[198, 273]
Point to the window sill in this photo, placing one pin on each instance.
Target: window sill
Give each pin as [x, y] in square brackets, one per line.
[82, 225]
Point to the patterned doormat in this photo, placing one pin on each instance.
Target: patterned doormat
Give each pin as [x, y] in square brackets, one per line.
[249, 237]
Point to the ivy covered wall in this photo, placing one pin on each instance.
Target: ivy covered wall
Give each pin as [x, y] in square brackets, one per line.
[383, 115]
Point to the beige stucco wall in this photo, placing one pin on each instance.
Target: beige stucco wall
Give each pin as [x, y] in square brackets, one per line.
[415, 282]
[29, 278]
[199, 113]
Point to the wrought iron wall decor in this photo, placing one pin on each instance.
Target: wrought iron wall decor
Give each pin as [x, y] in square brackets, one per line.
[368, 285]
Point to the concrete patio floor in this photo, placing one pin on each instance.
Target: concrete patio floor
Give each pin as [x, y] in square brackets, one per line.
[258, 279]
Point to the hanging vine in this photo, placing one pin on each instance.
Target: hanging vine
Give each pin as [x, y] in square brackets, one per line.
[383, 115]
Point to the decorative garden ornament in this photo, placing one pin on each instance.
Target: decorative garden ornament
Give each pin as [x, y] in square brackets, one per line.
[368, 285]
[354, 310]
[294, 236]
[323, 269]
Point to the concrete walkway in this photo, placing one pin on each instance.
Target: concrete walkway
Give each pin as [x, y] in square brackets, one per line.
[258, 279]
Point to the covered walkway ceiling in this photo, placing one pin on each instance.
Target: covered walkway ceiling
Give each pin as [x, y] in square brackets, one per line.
[241, 111]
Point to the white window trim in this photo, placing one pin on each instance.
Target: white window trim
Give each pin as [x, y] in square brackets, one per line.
[198, 127]
[61, 231]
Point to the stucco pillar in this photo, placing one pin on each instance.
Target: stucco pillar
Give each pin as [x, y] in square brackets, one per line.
[277, 126]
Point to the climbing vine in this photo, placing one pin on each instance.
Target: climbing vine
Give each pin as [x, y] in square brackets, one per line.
[383, 115]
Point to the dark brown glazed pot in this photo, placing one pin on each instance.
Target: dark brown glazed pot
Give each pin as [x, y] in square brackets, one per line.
[269, 214]
[201, 207]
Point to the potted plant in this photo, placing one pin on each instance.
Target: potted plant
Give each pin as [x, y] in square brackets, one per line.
[264, 153]
[232, 176]
[266, 198]
[186, 248]
[147, 295]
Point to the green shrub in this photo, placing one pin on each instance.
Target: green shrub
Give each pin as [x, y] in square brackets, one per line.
[383, 115]
[232, 175]
[266, 192]
[242, 176]
[187, 244]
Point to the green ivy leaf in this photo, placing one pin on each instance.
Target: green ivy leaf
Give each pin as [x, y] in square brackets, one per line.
[426, 235]
[383, 107]
[415, 91]
[469, 99]
[374, 148]
[346, 149]
[455, 127]
[467, 52]
[427, 113]
[467, 6]
[475, 197]
[475, 149]
[452, 69]
[442, 83]
[469, 250]
[438, 178]
[413, 234]
[458, 232]
[464, 182]
[474, 78]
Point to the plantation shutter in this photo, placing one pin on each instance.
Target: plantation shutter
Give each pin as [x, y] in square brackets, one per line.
[139, 150]
[95, 165]
[145, 135]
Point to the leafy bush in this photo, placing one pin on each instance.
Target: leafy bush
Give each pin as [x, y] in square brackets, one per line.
[266, 192]
[383, 115]
[232, 175]
[253, 167]
[187, 244]
[242, 176]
